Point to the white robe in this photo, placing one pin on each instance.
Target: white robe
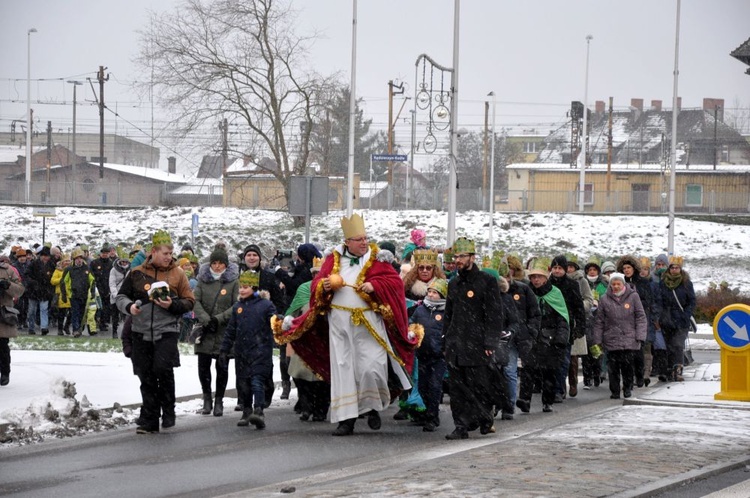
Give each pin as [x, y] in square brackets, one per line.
[359, 368]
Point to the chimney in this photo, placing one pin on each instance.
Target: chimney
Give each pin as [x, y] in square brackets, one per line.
[714, 105]
[656, 105]
[637, 103]
[172, 165]
[599, 107]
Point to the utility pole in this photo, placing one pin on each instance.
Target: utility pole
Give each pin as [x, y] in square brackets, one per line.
[49, 156]
[100, 77]
[391, 124]
[484, 153]
[75, 157]
[224, 147]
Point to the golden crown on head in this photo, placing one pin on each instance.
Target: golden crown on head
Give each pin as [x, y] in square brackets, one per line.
[353, 227]
[161, 238]
[676, 260]
[425, 256]
[250, 278]
[317, 263]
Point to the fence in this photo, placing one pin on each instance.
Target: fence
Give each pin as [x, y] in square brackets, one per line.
[153, 194]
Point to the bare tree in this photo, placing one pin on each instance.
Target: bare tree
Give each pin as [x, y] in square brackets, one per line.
[242, 60]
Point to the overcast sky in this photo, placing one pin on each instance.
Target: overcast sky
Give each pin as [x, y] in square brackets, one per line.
[532, 54]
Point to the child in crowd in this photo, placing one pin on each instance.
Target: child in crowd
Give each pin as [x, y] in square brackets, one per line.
[249, 331]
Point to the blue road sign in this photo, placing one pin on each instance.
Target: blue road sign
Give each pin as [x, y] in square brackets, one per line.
[389, 157]
[195, 225]
[731, 326]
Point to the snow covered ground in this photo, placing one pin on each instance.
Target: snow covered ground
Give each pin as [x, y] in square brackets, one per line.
[714, 252]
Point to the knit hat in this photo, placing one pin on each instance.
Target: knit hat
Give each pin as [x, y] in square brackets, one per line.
[251, 278]
[617, 276]
[663, 259]
[220, 256]
[183, 262]
[307, 252]
[252, 248]
[106, 248]
[45, 251]
[387, 245]
[574, 265]
[439, 285]
[559, 260]
[608, 266]
[590, 265]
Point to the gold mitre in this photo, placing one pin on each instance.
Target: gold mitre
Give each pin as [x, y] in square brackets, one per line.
[425, 256]
[353, 227]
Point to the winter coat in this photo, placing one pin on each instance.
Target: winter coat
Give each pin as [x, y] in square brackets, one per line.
[249, 331]
[671, 317]
[642, 285]
[621, 323]
[431, 318]
[23, 270]
[583, 286]
[571, 291]
[116, 277]
[77, 280]
[57, 281]
[472, 312]
[219, 296]
[529, 317]
[554, 331]
[154, 321]
[38, 284]
[15, 291]
[100, 269]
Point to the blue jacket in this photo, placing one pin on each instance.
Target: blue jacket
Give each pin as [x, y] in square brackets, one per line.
[249, 330]
[432, 321]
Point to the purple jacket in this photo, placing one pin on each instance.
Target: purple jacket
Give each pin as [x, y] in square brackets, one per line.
[620, 321]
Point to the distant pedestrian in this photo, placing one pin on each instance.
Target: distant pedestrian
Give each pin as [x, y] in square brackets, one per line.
[676, 303]
[10, 289]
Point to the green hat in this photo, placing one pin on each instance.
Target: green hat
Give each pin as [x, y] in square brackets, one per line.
[161, 238]
[462, 245]
[440, 285]
[448, 255]
[251, 278]
[492, 272]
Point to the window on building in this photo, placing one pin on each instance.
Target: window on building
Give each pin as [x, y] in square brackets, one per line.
[530, 147]
[724, 157]
[694, 195]
[588, 194]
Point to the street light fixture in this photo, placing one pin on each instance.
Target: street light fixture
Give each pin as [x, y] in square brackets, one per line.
[28, 113]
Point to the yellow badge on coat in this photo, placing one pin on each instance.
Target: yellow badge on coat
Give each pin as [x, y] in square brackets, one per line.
[223, 292]
[470, 293]
[627, 306]
[239, 310]
[516, 297]
[438, 317]
[146, 287]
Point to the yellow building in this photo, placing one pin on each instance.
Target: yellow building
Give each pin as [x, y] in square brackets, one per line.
[264, 191]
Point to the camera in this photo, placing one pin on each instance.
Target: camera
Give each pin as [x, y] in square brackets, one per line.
[283, 259]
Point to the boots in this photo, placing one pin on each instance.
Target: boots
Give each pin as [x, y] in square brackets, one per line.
[207, 404]
[257, 419]
[245, 420]
[573, 376]
[286, 386]
[218, 406]
[677, 374]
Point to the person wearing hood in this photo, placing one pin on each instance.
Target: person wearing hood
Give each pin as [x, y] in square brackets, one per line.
[675, 305]
[592, 363]
[620, 328]
[40, 289]
[63, 305]
[156, 294]
[215, 293]
[660, 266]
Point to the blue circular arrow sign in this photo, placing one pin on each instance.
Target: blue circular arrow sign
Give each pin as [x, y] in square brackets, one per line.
[732, 327]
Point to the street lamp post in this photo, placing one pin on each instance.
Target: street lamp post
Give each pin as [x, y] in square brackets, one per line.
[452, 177]
[28, 114]
[352, 115]
[673, 151]
[410, 168]
[492, 171]
[74, 164]
[584, 134]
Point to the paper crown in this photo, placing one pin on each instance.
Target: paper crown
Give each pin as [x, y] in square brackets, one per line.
[317, 263]
[161, 238]
[77, 253]
[353, 226]
[486, 262]
[250, 278]
[645, 262]
[540, 266]
[425, 256]
[448, 255]
[462, 245]
[676, 260]
[440, 285]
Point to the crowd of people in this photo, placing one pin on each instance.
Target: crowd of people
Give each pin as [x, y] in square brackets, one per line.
[360, 326]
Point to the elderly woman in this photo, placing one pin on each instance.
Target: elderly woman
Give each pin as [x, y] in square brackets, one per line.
[425, 269]
[620, 327]
[675, 303]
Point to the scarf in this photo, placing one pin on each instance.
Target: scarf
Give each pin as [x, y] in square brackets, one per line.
[672, 281]
[592, 279]
[215, 275]
[556, 301]
[434, 304]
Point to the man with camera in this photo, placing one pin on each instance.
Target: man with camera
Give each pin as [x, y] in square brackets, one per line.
[10, 289]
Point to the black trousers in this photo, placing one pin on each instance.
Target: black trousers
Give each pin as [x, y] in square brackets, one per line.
[638, 365]
[204, 375]
[153, 362]
[592, 369]
[314, 397]
[549, 383]
[431, 373]
[620, 363]
[471, 396]
[4, 356]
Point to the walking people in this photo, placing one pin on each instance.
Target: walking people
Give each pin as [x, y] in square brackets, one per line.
[78, 279]
[155, 294]
[39, 290]
[675, 305]
[101, 268]
[10, 289]
[473, 309]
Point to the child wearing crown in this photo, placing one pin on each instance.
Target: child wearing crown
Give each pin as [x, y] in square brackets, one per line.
[249, 331]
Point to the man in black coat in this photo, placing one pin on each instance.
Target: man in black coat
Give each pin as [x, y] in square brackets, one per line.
[100, 269]
[40, 290]
[473, 310]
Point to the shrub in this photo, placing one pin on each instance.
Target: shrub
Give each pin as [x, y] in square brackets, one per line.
[718, 296]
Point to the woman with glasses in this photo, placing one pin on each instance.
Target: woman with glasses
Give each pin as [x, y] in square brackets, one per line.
[423, 271]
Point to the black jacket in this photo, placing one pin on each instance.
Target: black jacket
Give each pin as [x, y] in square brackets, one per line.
[100, 269]
[529, 317]
[554, 333]
[574, 302]
[474, 316]
[38, 284]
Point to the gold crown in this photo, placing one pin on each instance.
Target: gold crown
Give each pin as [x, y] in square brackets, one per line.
[425, 256]
[462, 245]
[317, 263]
[161, 238]
[250, 278]
[676, 260]
[353, 227]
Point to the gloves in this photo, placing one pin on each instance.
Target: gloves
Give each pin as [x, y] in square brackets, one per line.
[411, 335]
[223, 362]
[287, 323]
[595, 351]
[4, 284]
